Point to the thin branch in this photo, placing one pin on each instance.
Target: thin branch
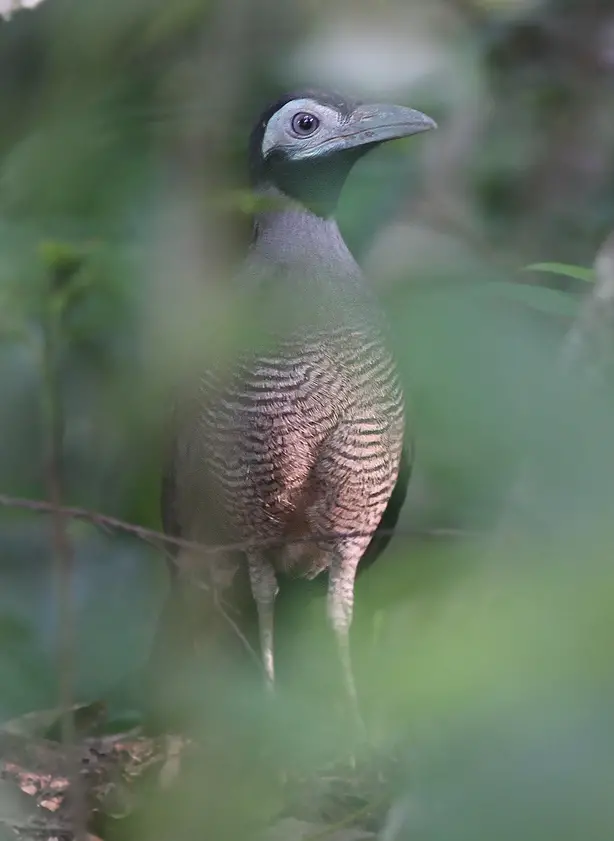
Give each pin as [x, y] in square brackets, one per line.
[63, 555]
[239, 633]
[53, 422]
[162, 541]
[159, 539]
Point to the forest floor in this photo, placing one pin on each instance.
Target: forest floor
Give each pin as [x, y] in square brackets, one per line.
[49, 790]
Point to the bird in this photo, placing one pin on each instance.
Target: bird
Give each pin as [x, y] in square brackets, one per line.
[296, 447]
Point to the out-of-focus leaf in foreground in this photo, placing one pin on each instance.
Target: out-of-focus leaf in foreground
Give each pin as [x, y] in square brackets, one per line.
[564, 269]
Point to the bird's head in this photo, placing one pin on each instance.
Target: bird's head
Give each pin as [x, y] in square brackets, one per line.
[305, 144]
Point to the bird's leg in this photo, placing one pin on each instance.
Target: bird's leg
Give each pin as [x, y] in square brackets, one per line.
[264, 589]
[340, 606]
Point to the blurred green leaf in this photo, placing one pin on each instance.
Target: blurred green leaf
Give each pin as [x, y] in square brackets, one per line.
[565, 269]
[552, 301]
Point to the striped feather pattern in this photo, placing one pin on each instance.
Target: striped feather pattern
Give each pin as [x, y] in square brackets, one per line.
[304, 442]
[301, 437]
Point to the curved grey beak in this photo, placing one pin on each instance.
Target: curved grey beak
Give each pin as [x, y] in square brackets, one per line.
[373, 124]
[377, 123]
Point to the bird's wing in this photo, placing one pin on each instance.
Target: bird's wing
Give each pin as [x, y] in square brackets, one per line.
[387, 524]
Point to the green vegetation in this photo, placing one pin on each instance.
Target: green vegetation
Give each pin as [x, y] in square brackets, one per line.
[483, 635]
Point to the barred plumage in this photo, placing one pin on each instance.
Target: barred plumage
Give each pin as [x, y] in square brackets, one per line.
[301, 436]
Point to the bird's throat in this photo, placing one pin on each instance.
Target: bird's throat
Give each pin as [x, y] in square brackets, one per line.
[285, 231]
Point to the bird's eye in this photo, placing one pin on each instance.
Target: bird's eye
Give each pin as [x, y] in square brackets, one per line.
[304, 124]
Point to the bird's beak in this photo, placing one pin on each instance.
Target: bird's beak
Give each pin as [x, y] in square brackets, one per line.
[373, 124]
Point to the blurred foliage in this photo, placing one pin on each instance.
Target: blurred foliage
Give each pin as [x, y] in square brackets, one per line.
[564, 269]
[122, 143]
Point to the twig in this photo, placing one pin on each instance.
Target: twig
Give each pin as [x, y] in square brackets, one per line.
[162, 541]
[53, 423]
[105, 522]
[239, 633]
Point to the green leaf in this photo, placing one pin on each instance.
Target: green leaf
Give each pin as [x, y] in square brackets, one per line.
[566, 269]
[541, 298]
